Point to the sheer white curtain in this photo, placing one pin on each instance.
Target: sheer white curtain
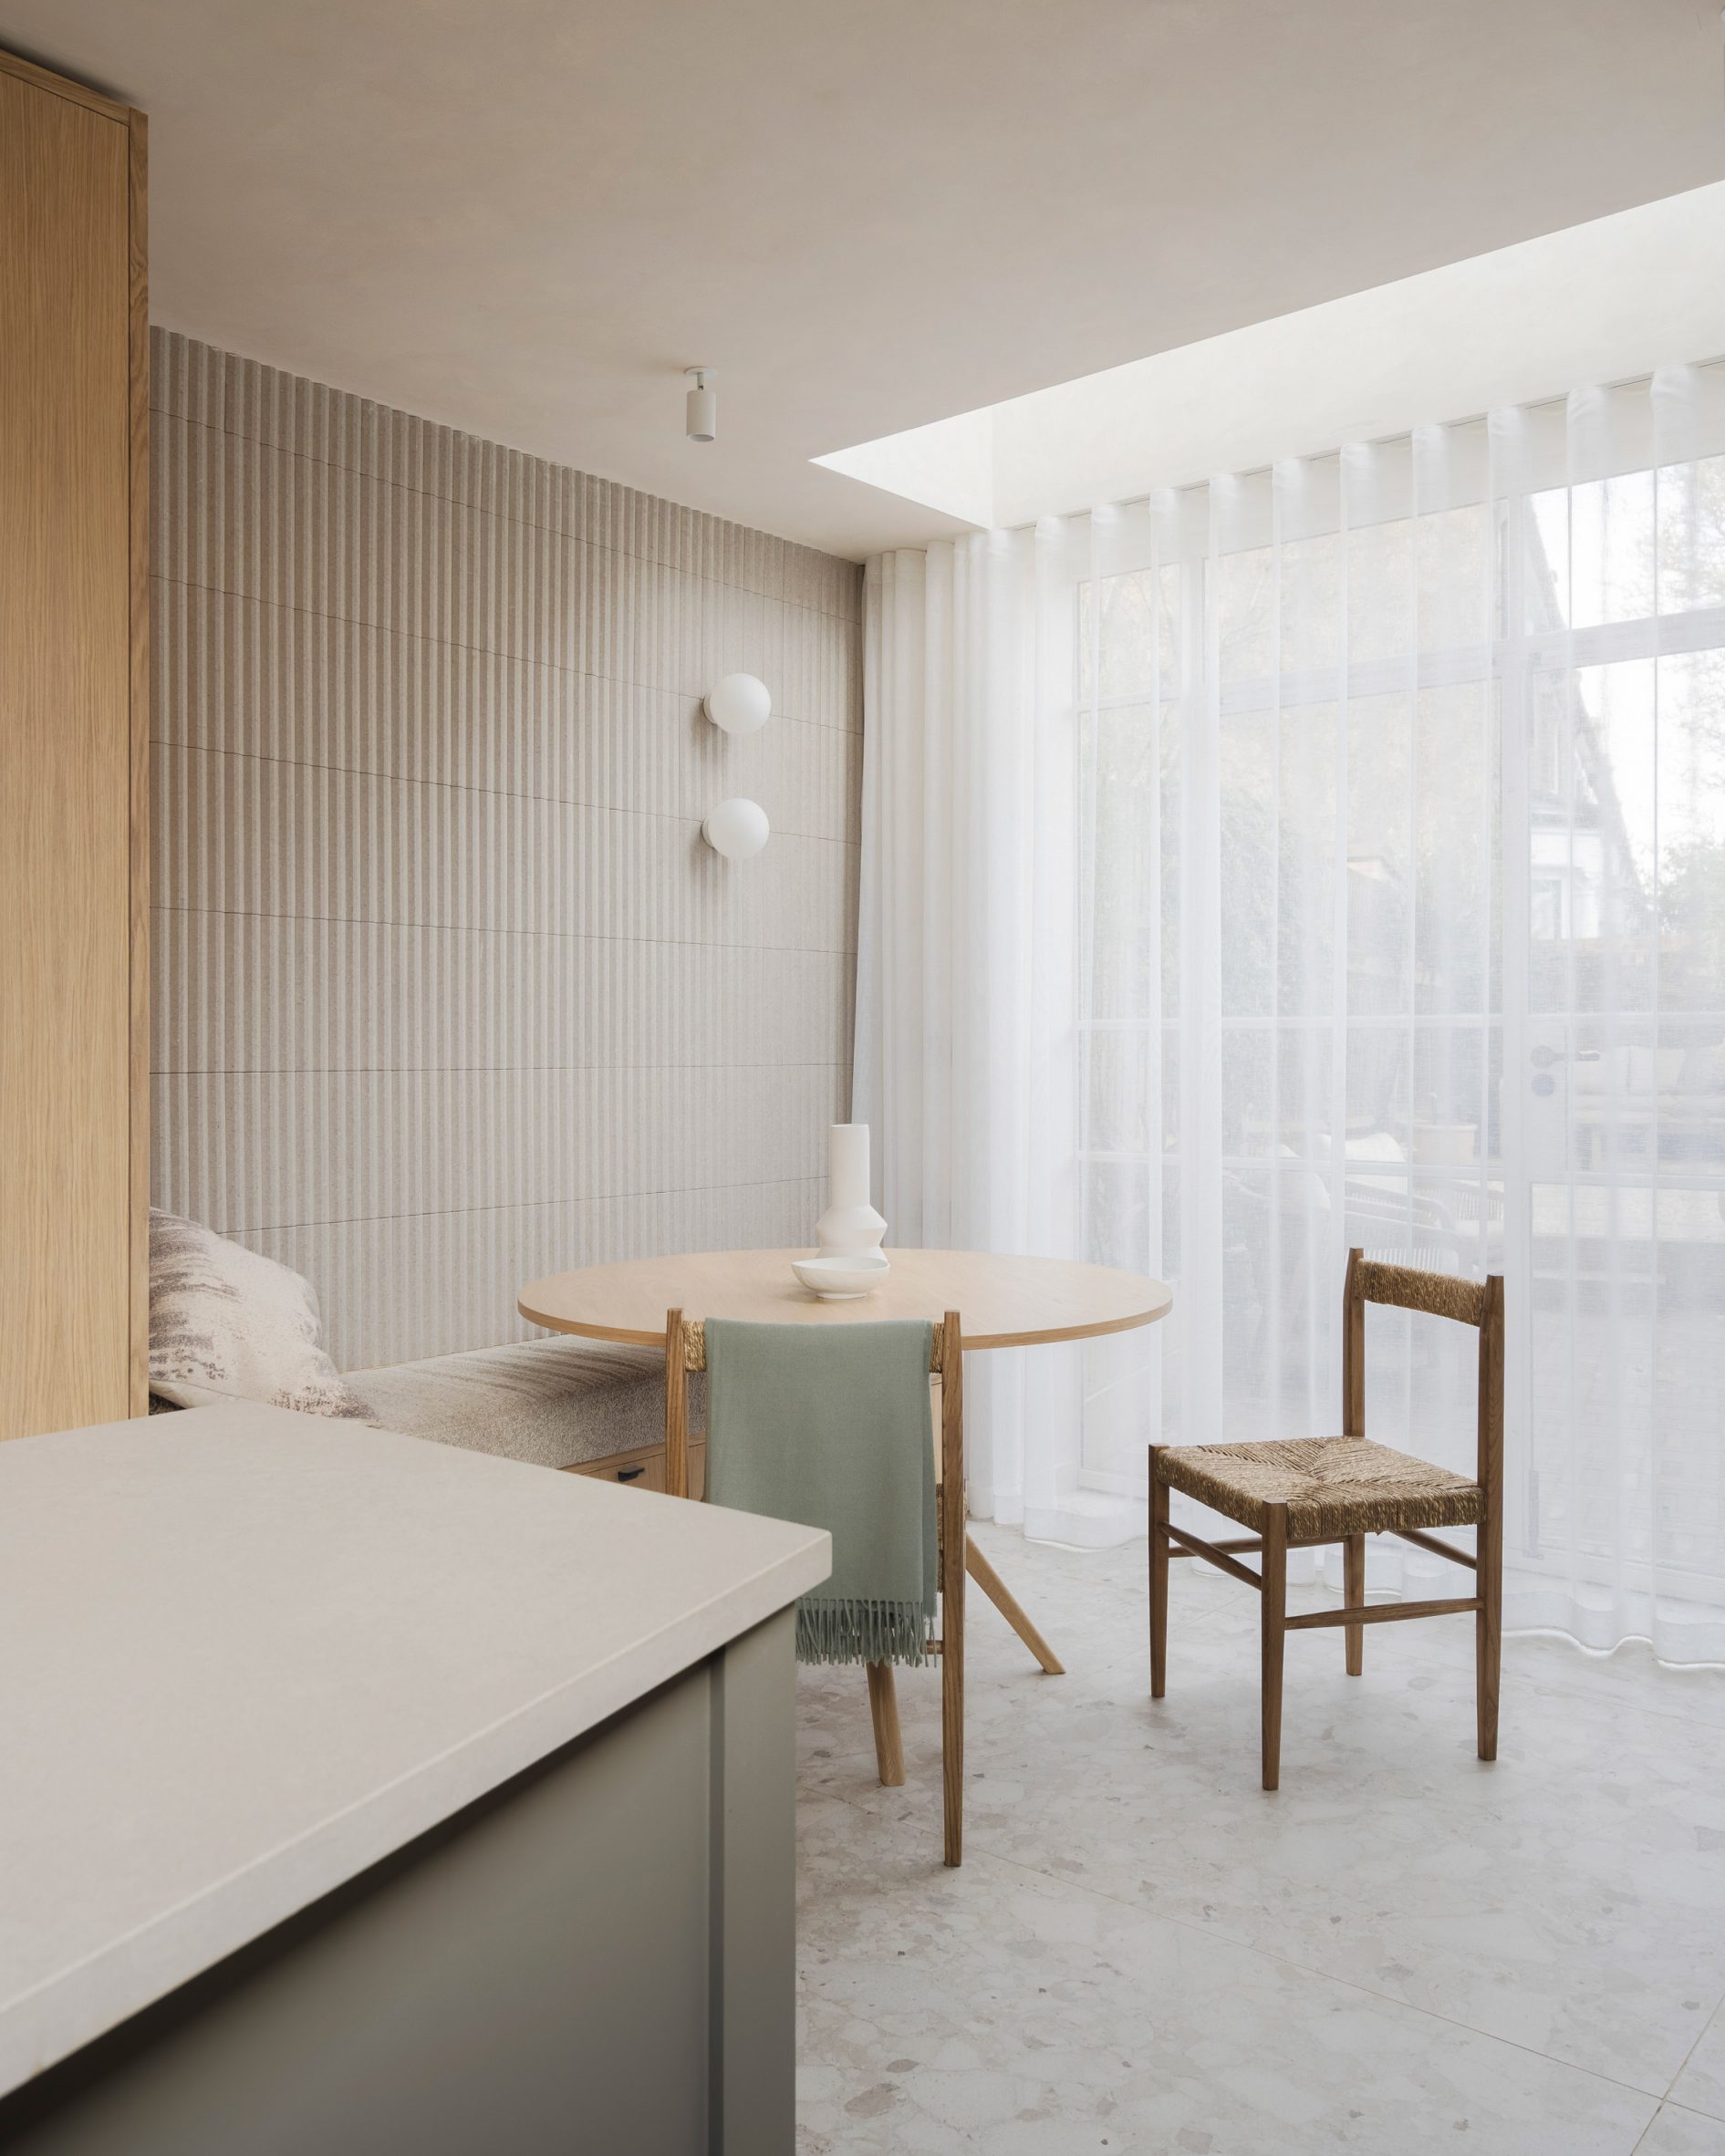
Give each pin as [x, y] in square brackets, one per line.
[1335, 854]
[966, 976]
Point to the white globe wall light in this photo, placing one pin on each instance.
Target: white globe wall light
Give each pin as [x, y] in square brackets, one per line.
[740, 703]
[736, 828]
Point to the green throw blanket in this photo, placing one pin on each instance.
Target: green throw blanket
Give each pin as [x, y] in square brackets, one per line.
[829, 1426]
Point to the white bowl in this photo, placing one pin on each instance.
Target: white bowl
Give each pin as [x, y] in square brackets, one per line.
[840, 1280]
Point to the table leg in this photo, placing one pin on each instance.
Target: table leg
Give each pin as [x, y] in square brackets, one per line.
[883, 1706]
[1001, 1596]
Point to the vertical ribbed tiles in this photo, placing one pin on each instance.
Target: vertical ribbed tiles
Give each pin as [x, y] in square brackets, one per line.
[447, 992]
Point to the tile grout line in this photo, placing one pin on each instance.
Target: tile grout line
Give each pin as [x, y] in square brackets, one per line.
[1322, 1975]
[357, 920]
[1686, 2111]
[469, 1070]
[861, 1805]
[978, 1839]
[428, 642]
[1666, 2104]
[584, 538]
[525, 1205]
[1657, 1713]
[1217, 1936]
[1719, 2008]
[160, 578]
[465, 786]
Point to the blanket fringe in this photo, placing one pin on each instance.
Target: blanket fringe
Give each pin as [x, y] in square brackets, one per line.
[848, 1630]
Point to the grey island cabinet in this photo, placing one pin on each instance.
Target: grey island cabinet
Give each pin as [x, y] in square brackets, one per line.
[362, 1795]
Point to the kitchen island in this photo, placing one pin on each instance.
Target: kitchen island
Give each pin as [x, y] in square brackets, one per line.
[363, 1793]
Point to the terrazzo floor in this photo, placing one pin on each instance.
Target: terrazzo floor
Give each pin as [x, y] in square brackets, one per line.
[1403, 1950]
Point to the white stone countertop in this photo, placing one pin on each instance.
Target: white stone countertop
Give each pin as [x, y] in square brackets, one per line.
[244, 1654]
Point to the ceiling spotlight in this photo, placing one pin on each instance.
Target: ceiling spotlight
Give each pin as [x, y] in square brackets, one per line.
[702, 405]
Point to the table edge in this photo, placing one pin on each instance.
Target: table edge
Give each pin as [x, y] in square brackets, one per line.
[1053, 1336]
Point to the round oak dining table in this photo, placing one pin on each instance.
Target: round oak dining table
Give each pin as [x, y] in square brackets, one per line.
[1002, 1302]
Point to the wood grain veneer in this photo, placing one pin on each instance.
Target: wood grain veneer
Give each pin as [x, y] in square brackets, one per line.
[74, 661]
[137, 541]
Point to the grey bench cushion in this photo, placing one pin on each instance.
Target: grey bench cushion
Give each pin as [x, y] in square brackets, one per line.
[554, 1402]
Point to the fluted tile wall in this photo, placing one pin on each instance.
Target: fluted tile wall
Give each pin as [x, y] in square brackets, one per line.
[449, 992]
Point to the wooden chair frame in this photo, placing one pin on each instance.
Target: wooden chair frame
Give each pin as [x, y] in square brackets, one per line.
[1442, 1295]
[686, 1350]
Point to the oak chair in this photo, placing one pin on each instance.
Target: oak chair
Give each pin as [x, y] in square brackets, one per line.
[686, 1350]
[1303, 1492]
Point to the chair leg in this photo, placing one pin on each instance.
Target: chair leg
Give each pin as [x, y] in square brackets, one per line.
[1274, 1596]
[953, 1541]
[1487, 1633]
[1353, 1595]
[883, 1707]
[1158, 1583]
[1488, 1547]
[952, 1734]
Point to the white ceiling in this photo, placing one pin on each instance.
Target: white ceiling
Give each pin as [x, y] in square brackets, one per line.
[525, 217]
[1602, 302]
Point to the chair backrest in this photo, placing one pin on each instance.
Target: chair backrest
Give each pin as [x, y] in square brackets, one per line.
[686, 1350]
[1479, 1303]
[694, 1341]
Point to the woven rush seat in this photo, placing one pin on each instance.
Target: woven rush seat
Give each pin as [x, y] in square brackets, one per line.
[1331, 1486]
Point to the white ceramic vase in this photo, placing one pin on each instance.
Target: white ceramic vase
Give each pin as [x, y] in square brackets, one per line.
[850, 1227]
